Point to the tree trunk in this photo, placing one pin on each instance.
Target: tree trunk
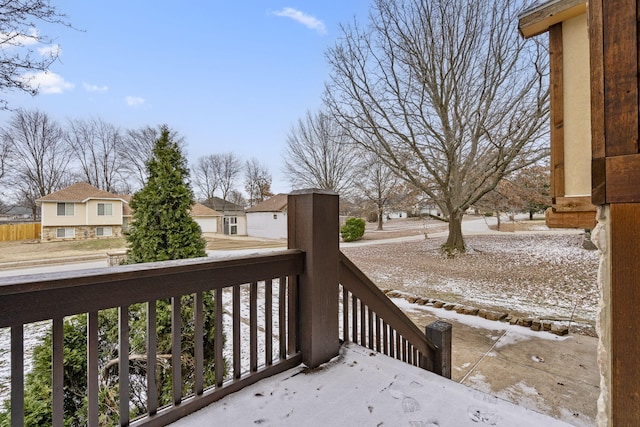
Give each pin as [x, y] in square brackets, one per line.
[380, 213]
[530, 215]
[455, 241]
[498, 216]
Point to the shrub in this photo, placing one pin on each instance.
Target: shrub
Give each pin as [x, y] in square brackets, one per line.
[353, 229]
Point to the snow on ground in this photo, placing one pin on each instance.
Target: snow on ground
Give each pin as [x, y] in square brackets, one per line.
[363, 388]
[539, 275]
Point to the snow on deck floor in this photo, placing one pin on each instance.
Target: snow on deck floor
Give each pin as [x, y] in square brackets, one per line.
[363, 388]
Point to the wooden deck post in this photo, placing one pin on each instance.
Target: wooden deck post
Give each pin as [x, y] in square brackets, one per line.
[439, 333]
[313, 227]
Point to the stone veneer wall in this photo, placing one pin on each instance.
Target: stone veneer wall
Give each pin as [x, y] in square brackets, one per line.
[49, 233]
[601, 237]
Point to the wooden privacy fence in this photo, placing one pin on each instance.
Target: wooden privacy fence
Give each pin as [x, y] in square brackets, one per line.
[19, 231]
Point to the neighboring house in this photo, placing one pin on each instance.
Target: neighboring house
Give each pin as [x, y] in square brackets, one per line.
[269, 218]
[208, 219]
[234, 220]
[81, 211]
[16, 213]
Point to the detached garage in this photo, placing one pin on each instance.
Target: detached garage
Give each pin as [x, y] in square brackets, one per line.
[207, 218]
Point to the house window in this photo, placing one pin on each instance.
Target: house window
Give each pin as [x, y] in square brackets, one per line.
[65, 233]
[233, 225]
[103, 231]
[105, 209]
[275, 216]
[66, 209]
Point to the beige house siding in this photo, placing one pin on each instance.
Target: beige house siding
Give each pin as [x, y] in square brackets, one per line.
[92, 213]
[50, 215]
[577, 107]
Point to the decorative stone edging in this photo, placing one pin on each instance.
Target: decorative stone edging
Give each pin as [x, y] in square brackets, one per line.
[535, 324]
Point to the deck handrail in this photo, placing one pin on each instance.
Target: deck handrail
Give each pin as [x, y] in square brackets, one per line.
[52, 297]
[380, 319]
[305, 309]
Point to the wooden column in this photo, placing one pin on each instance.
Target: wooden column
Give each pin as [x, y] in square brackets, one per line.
[615, 117]
[313, 227]
[625, 299]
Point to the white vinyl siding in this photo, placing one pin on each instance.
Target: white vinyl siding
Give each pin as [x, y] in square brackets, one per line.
[65, 233]
[105, 209]
[66, 209]
[104, 231]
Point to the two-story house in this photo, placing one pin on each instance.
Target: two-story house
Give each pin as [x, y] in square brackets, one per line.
[81, 211]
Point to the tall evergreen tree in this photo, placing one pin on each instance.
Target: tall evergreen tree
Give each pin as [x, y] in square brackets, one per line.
[162, 227]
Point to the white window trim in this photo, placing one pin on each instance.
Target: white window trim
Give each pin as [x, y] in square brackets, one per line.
[69, 233]
[66, 207]
[104, 229]
[105, 204]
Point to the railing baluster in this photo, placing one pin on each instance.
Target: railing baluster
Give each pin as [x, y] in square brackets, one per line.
[123, 362]
[57, 371]
[219, 361]
[385, 338]
[198, 333]
[176, 349]
[292, 311]
[398, 346]
[363, 324]
[268, 321]
[370, 327]
[92, 367]
[377, 333]
[152, 352]
[354, 319]
[237, 369]
[345, 314]
[282, 319]
[253, 326]
[17, 376]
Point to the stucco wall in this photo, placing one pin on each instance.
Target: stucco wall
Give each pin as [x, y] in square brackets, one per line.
[577, 107]
[263, 224]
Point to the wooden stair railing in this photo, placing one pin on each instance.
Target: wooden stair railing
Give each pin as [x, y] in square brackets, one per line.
[371, 319]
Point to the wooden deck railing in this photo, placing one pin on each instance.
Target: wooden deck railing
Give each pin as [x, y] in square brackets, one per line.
[370, 319]
[286, 302]
[28, 299]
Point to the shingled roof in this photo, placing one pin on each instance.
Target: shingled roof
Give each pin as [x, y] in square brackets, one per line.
[201, 210]
[79, 193]
[277, 203]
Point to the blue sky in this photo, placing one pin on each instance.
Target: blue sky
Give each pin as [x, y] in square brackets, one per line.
[227, 75]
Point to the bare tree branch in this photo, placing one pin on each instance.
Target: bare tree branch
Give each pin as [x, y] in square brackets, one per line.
[445, 93]
[318, 155]
[19, 21]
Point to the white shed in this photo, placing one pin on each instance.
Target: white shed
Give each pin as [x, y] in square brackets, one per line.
[269, 218]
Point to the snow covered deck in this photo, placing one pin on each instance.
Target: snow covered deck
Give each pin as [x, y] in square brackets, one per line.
[361, 387]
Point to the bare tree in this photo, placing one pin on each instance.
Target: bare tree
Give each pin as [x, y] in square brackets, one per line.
[19, 36]
[377, 183]
[230, 169]
[96, 145]
[40, 155]
[137, 150]
[206, 176]
[5, 150]
[318, 154]
[257, 181]
[445, 93]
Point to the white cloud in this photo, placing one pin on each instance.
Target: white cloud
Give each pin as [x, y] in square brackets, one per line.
[53, 50]
[301, 17]
[47, 82]
[14, 38]
[134, 101]
[94, 88]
